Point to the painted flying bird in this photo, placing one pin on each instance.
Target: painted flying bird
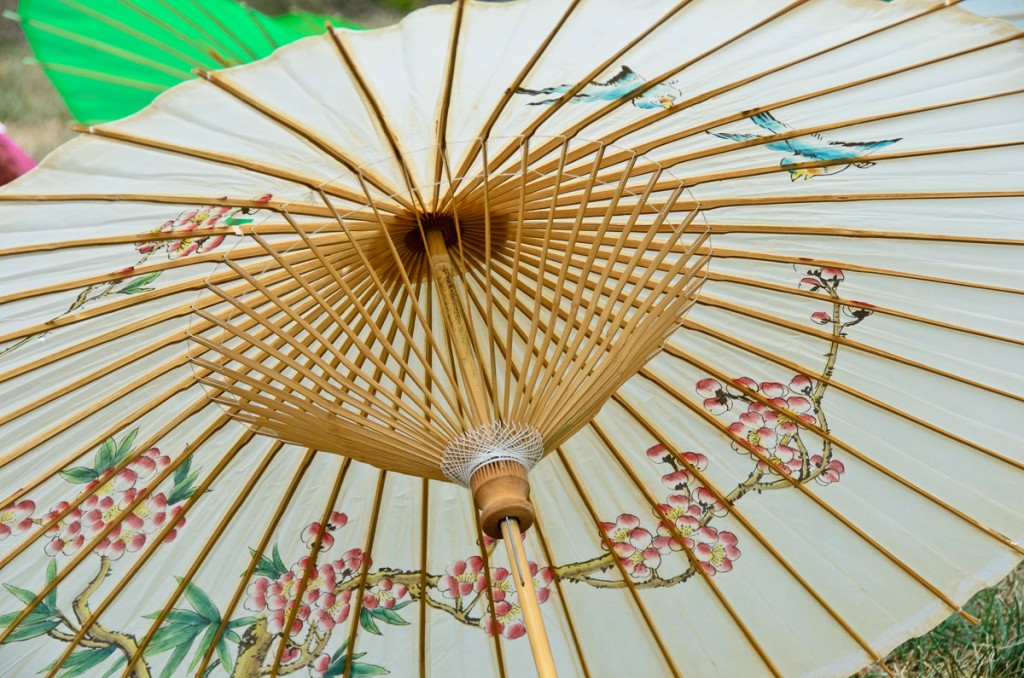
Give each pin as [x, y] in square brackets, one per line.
[622, 84]
[808, 148]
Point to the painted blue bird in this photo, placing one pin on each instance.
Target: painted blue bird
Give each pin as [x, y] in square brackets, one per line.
[620, 85]
[809, 148]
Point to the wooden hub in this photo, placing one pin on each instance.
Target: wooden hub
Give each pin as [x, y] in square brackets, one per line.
[501, 489]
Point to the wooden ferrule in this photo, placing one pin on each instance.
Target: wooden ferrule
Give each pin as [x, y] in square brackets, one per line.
[501, 489]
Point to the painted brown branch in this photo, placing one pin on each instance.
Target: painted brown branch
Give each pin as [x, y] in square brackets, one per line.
[98, 633]
[253, 649]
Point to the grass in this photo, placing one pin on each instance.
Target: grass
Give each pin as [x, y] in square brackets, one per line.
[37, 118]
[957, 649]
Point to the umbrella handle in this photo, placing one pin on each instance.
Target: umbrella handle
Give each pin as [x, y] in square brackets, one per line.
[513, 539]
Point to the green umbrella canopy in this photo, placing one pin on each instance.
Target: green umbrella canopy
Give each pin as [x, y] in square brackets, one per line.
[110, 58]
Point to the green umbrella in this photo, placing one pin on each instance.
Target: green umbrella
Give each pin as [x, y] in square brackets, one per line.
[110, 58]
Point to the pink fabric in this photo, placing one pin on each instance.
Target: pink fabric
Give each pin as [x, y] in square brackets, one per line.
[13, 160]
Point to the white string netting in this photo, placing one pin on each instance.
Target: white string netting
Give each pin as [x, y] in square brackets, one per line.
[498, 441]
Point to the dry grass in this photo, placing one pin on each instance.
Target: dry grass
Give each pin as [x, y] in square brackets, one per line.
[956, 649]
[34, 114]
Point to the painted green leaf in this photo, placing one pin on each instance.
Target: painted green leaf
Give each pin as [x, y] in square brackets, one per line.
[398, 607]
[224, 654]
[28, 630]
[138, 285]
[24, 595]
[390, 617]
[172, 635]
[367, 622]
[178, 656]
[79, 475]
[359, 669]
[105, 456]
[201, 602]
[181, 492]
[125, 446]
[83, 660]
[232, 221]
[271, 569]
[203, 646]
[181, 617]
[50, 601]
[181, 472]
[242, 621]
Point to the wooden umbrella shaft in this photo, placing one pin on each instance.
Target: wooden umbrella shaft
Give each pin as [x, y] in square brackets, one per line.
[444, 275]
[458, 331]
[523, 579]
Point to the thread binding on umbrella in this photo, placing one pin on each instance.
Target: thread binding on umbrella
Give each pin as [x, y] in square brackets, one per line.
[490, 443]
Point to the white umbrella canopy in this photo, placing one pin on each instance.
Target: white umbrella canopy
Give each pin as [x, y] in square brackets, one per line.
[241, 329]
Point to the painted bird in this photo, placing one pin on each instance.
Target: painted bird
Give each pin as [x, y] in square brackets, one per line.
[808, 148]
[622, 84]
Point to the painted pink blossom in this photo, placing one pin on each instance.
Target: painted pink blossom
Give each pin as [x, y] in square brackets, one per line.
[462, 578]
[681, 516]
[716, 401]
[349, 563]
[757, 431]
[319, 666]
[801, 384]
[832, 472]
[707, 500]
[784, 459]
[277, 618]
[384, 593]
[715, 551]
[332, 609]
[335, 522]
[832, 275]
[16, 518]
[66, 534]
[633, 545]
[821, 317]
[203, 218]
[256, 595]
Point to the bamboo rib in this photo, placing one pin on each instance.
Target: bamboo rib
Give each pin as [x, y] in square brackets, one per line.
[314, 554]
[647, 121]
[286, 500]
[154, 544]
[549, 111]
[256, 555]
[851, 303]
[735, 512]
[107, 48]
[423, 359]
[95, 75]
[741, 442]
[479, 146]
[446, 94]
[91, 544]
[259, 25]
[381, 120]
[161, 45]
[860, 395]
[94, 406]
[186, 580]
[606, 542]
[690, 557]
[220, 24]
[156, 402]
[537, 187]
[854, 452]
[606, 109]
[845, 232]
[860, 346]
[228, 160]
[180, 35]
[357, 602]
[308, 135]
